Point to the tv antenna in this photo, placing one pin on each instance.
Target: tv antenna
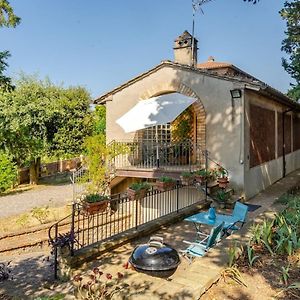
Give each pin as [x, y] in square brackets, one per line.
[196, 4]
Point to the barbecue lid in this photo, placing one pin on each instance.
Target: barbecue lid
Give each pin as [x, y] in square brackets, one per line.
[154, 256]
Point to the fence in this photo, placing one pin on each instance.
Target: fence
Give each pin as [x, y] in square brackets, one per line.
[51, 168]
[123, 214]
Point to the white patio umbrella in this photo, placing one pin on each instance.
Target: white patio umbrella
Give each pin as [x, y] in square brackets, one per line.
[154, 111]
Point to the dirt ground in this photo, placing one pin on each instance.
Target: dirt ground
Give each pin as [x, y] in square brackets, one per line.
[263, 281]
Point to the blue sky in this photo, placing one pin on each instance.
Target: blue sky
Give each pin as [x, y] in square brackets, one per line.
[100, 44]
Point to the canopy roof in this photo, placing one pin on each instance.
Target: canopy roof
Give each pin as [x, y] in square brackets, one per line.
[155, 111]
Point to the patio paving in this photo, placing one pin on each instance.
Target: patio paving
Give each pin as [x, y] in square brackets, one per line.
[190, 280]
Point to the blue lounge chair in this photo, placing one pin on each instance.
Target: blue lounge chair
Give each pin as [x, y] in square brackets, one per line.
[239, 216]
[199, 248]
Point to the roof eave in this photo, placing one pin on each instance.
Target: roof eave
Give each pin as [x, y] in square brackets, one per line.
[267, 90]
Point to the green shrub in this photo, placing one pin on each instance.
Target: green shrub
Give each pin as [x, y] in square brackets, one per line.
[41, 213]
[137, 186]
[93, 198]
[203, 172]
[8, 172]
[166, 179]
[222, 196]
[187, 174]
[23, 220]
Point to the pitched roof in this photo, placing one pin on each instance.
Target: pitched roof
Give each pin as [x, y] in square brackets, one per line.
[248, 81]
[213, 65]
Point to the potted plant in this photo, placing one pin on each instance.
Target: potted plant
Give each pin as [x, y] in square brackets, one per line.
[165, 183]
[221, 197]
[94, 203]
[222, 177]
[187, 178]
[202, 175]
[138, 190]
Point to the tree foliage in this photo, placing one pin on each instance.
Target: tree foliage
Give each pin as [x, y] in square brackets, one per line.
[5, 82]
[38, 119]
[100, 119]
[7, 19]
[8, 172]
[71, 122]
[291, 44]
[7, 15]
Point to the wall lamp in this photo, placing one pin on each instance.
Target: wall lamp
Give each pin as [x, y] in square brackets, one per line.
[236, 93]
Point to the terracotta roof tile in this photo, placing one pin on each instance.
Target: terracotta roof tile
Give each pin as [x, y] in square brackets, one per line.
[213, 65]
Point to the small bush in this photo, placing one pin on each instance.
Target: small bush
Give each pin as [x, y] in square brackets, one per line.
[166, 179]
[137, 186]
[23, 220]
[41, 213]
[8, 172]
[93, 198]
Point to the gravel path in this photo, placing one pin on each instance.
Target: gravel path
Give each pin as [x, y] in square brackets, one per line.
[42, 195]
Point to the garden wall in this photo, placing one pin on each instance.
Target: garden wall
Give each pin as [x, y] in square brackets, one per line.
[51, 169]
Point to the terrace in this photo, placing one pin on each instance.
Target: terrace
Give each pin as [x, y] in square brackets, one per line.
[189, 281]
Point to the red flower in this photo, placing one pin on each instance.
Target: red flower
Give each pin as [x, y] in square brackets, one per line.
[96, 270]
[77, 278]
[108, 276]
[126, 265]
[92, 277]
[120, 275]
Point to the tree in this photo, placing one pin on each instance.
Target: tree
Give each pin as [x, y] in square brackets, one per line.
[71, 122]
[291, 44]
[7, 19]
[7, 16]
[5, 82]
[100, 119]
[38, 119]
[8, 172]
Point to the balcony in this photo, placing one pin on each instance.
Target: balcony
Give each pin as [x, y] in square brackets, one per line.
[152, 159]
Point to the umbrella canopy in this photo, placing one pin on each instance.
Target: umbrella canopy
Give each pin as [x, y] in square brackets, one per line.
[155, 111]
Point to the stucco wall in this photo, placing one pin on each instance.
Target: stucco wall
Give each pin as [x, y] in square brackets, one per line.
[260, 177]
[224, 139]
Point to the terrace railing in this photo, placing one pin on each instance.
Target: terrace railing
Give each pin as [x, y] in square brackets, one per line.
[121, 215]
[157, 155]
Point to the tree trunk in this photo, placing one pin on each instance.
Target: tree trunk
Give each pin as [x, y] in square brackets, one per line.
[33, 172]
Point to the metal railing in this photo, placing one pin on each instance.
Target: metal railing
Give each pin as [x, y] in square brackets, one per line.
[79, 179]
[121, 215]
[174, 156]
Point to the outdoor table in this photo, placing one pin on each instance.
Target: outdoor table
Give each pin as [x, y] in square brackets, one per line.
[203, 218]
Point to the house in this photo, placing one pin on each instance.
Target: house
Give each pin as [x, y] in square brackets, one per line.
[250, 128]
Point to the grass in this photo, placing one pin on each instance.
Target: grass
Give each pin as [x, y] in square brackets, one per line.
[29, 220]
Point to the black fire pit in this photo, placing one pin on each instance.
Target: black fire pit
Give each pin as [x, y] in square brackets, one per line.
[155, 258]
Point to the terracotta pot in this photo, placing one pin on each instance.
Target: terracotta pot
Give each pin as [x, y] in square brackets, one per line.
[199, 178]
[134, 195]
[223, 182]
[96, 207]
[164, 186]
[187, 180]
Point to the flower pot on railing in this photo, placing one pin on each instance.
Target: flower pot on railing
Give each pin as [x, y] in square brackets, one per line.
[222, 175]
[201, 176]
[223, 182]
[165, 184]
[187, 178]
[95, 203]
[138, 190]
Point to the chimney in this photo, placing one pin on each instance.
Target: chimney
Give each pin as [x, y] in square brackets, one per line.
[211, 59]
[183, 49]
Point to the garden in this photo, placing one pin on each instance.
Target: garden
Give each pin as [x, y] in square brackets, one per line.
[269, 265]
